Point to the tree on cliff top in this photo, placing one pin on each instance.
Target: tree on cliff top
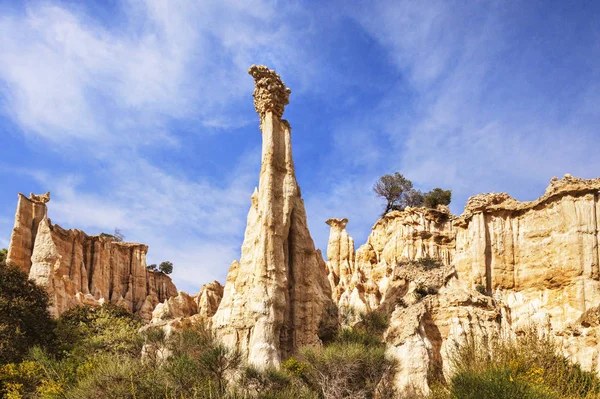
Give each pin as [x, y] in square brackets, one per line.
[398, 191]
[24, 318]
[166, 267]
[436, 197]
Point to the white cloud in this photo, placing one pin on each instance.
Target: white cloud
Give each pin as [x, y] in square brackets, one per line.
[68, 77]
[89, 89]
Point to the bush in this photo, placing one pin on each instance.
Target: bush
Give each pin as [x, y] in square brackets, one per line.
[426, 263]
[529, 366]
[374, 322]
[3, 255]
[24, 317]
[166, 267]
[436, 197]
[86, 330]
[152, 267]
[345, 369]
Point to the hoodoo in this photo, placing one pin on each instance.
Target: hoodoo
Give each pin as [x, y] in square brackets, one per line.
[277, 296]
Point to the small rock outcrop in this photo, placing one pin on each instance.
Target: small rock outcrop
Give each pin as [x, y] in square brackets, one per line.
[200, 307]
[79, 269]
[276, 296]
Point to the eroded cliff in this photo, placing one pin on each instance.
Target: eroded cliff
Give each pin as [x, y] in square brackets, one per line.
[79, 269]
[500, 267]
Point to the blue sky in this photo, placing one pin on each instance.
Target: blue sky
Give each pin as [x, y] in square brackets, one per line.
[138, 114]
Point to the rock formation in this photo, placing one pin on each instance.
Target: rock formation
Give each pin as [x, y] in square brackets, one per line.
[79, 269]
[277, 295]
[30, 212]
[200, 307]
[500, 267]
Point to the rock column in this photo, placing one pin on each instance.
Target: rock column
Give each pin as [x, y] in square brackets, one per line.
[276, 297]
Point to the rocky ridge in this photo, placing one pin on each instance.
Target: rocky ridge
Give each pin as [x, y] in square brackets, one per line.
[79, 269]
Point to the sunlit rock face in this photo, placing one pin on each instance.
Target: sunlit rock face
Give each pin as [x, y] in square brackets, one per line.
[503, 266]
[200, 307]
[78, 269]
[277, 294]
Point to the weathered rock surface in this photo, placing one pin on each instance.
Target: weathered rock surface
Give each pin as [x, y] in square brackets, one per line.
[537, 262]
[365, 279]
[79, 269]
[30, 212]
[201, 307]
[278, 293]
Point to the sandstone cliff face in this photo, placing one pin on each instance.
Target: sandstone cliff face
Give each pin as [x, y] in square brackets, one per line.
[79, 269]
[276, 296]
[536, 261]
[364, 280]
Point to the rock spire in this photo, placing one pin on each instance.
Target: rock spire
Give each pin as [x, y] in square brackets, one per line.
[278, 294]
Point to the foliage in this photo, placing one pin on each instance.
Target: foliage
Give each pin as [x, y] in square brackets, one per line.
[426, 263]
[166, 267]
[345, 369]
[152, 267]
[86, 330]
[436, 197]
[528, 366]
[24, 318]
[3, 255]
[398, 192]
[374, 322]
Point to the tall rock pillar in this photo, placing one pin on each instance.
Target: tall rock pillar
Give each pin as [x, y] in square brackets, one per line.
[30, 212]
[277, 296]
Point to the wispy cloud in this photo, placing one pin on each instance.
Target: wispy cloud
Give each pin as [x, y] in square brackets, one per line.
[484, 114]
[69, 77]
[103, 92]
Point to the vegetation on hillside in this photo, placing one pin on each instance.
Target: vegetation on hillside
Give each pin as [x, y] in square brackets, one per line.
[98, 353]
[24, 318]
[529, 366]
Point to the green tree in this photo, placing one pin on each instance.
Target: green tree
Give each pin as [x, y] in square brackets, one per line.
[436, 197]
[152, 267]
[3, 255]
[166, 267]
[398, 192]
[24, 317]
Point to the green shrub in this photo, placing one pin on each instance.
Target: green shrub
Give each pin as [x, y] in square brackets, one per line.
[493, 383]
[529, 366]
[3, 254]
[86, 330]
[345, 369]
[374, 322]
[436, 197]
[24, 318]
[426, 263]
